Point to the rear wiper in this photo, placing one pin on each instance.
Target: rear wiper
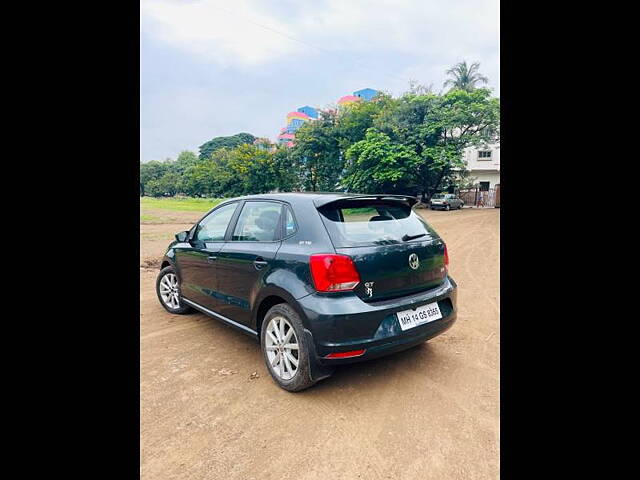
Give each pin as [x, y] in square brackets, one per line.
[406, 238]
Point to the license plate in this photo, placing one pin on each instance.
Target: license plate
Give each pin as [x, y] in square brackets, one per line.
[425, 314]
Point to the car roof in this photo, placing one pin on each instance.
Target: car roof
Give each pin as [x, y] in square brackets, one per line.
[323, 198]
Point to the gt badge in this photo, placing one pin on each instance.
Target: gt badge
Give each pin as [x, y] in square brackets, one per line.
[369, 288]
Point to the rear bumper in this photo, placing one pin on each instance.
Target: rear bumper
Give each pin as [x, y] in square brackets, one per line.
[409, 339]
[344, 324]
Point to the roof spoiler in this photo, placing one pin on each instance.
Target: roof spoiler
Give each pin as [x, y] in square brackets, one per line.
[409, 199]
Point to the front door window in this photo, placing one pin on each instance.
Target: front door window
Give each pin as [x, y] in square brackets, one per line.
[213, 227]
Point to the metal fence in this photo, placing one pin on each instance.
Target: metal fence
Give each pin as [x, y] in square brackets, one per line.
[474, 197]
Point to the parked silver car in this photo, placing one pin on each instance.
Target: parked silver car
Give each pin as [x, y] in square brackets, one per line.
[446, 201]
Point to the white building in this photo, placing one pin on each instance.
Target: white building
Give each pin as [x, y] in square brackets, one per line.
[483, 164]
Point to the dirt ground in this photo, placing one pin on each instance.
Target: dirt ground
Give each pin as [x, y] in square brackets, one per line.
[431, 412]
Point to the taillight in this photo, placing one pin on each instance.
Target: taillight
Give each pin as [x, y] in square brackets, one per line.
[333, 273]
[446, 258]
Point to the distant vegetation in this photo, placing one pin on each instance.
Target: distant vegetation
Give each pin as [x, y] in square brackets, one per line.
[410, 144]
[178, 204]
[211, 146]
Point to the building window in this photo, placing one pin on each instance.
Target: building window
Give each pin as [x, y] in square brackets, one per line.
[484, 186]
[484, 155]
[488, 132]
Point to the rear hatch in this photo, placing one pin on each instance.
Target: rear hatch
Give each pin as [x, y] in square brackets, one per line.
[394, 250]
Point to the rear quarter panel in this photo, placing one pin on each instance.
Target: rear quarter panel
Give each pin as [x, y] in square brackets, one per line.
[290, 277]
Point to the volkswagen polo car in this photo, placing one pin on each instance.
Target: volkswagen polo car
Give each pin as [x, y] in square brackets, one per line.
[318, 279]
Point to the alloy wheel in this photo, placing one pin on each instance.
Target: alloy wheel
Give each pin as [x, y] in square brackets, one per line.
[169, 291]
[281, 344]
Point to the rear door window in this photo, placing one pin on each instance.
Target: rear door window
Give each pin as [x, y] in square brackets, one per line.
[352, 224]
[258, 222]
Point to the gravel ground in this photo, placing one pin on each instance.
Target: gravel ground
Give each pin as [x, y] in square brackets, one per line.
[210, 410]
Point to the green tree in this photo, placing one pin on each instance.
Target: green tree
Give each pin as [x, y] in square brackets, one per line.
[377, 164]
[150, 171]
[165, 186]
[152, 188]
[206, 149]
[352, 124]
[254, 168]
[438, 128]
[213, 176]
[243, 170]
[287, 178]
[317, 153]
[169, 184]
[462, 119]
[196, 180]
[463, 179]
[185, 160]
[465, 77]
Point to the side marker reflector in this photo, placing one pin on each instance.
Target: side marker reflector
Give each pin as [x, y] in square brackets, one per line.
[353, 353]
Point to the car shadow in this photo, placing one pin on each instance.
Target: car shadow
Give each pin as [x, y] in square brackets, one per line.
[220, 328]
[366, 374]
[371, 373]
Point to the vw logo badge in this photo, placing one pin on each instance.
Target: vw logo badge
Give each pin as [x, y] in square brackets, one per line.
[413, 261]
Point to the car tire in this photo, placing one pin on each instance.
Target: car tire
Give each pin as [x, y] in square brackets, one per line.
[447, 208]
[168, 291]
[277, 357]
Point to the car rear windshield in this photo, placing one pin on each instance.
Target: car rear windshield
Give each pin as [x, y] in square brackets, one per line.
[438, 195]
[360, 223]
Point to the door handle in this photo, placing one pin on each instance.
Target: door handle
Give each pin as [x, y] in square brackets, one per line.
[259, 263]
[211, 258]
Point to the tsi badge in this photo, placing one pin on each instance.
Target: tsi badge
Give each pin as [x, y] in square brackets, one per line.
[369, 288]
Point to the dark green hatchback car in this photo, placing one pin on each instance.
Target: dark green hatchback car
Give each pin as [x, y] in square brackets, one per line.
[319, 279]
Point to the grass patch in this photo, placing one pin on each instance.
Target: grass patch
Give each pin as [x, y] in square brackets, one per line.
[150, 218]
[156, 236]
[182, 204]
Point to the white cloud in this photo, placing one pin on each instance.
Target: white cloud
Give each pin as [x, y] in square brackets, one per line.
[243, 32]
[217, 31]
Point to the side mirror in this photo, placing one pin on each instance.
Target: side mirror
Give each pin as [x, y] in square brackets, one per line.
[182, 236]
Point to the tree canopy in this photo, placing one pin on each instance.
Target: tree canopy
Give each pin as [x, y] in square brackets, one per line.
[465, 77]
[206, 149]
[412, 144]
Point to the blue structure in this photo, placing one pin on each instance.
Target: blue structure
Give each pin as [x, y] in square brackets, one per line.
[366, 93]
[294, 125]
[312, 112]
[307, 113]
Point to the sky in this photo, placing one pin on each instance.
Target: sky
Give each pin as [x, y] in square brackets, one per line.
[212, 68]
